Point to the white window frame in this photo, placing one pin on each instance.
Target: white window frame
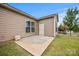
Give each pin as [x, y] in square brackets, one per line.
[30, 26]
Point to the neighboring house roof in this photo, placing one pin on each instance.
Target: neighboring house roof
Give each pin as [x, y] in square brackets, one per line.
[24, 13]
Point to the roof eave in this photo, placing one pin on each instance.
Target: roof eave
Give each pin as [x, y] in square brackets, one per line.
[16, 10]
[49, 16]
[26, 14]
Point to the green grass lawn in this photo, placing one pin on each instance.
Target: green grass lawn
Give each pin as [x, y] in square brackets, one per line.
[63, 45]
[10, 48]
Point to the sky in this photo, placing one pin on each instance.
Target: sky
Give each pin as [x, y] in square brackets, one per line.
[43, 9]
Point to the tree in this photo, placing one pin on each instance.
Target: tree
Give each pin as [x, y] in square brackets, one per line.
[76, 27]
[71, 18]
[62, 28]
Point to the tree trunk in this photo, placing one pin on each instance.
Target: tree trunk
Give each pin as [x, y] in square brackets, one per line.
[70, 32]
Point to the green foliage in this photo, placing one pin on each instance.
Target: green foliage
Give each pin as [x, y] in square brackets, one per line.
[76, 28]
[71, 18]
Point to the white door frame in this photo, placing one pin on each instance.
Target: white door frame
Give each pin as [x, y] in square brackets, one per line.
[41, 29]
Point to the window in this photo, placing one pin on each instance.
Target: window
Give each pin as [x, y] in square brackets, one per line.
[33, 29]
[27, 26]
[27, 23]
[30, 26]
[27, 29]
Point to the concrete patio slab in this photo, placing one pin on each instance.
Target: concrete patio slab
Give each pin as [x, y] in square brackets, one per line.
[36, 45]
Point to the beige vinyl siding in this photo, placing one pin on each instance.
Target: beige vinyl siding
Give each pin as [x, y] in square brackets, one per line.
[49, 26]
[12, 23]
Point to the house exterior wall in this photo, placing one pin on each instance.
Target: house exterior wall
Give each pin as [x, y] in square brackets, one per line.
[49, 23]
[12, 23]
